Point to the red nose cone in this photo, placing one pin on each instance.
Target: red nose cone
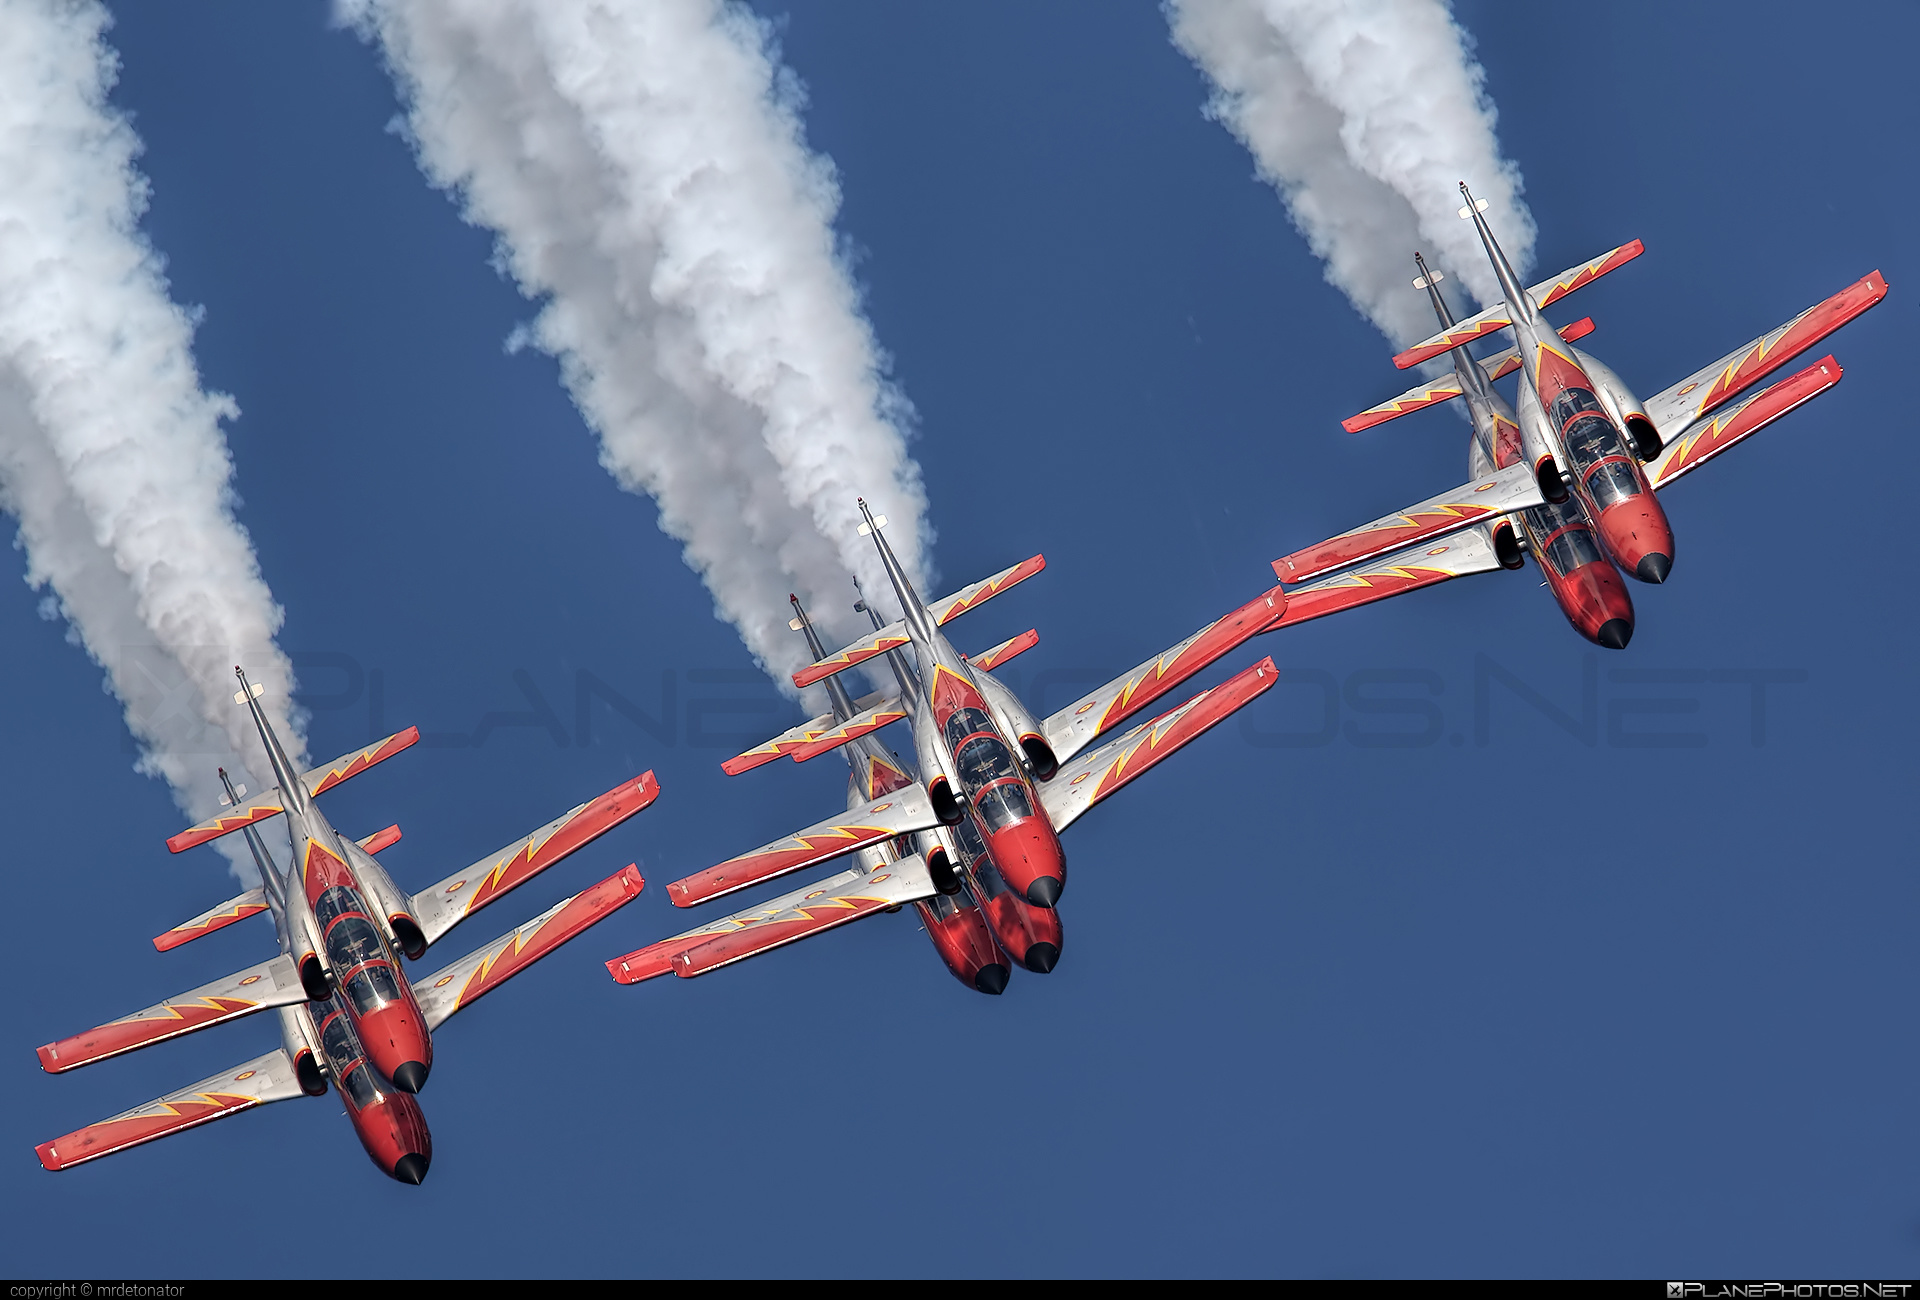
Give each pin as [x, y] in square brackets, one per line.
[397, 1044]
[1030, 935]
[1028, 855]
[1636, 534]
[394, 1132]
[966, 946]
[1596, 603]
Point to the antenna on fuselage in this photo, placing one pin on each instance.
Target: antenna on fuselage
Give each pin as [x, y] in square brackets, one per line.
[1430, 281]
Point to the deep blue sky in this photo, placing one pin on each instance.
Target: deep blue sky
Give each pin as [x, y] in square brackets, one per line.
[1492, 1000]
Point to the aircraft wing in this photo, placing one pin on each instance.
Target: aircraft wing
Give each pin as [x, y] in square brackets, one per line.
[1499, 316]
[475, 975]
[784, 743]
[1071, 729]
[267, 803]
[901, 812]
[1499, 493]
[945, 610]
[440, 907]
[1091, 777]
[264, 1079]
[1447, 387]
[1705, 441]
[1420, 565]
[274, 983]
[1677, 409]
[822, 906]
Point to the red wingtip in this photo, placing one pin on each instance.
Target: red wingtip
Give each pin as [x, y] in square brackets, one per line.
[47, 1060]
[48, 1160]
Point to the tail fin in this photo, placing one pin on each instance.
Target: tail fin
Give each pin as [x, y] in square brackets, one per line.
[1499, 316]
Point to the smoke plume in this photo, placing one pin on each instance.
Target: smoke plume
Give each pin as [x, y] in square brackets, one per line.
[645, 172]
[1365, 116]
[112, 458]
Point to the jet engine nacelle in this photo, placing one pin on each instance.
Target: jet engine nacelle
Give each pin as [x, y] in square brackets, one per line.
[1622, 407]
[395, 913]
[936, 767]
[1011, 716]
[296, 1037]
[1538, 443]
[309, 953]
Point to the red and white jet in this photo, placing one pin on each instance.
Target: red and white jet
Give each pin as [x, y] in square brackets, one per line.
[346, 1012]
[1570, 471]
[969, 833]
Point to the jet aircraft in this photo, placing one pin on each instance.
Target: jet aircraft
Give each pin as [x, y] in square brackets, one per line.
[346, 1012]
[1569, 472]
[969, 832]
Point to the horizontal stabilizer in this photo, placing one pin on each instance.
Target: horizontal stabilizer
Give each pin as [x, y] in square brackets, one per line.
[1073, 728]
[1447, 387]
[1674, 411]
[1503, 491]
[440, 907]
[274, 983]
[900, 812]
[883, 714]
[945, 610]
[251, 903]
[1421, 565]
[1093, 776]
[1007, 649]
[267, 803]
[807, 732]
[1499, 316]
[824, 906]
[262, 1080]
[475, 975]
[1705, 441]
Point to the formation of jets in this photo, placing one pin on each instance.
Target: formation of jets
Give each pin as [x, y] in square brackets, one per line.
[966, 825]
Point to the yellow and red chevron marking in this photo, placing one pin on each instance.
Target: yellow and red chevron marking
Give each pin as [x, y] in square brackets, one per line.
[1017, 645]
[162, 1119]
[322, 871]
[140, 1029]
[1178, 726]
[842, 734]
[1555, 371]
[779, 746]
[1196, 652]
[529, 944]
[1585, 275]
[1353, 547]
[1357, 589]
[214, 827]
[853, 654]
[958, 605]
[1749, 417]
[1453, 338]
[1791, 339]
[752, 940]
[206, 925]
[361, 761]
[764, 864]
[883, 778]
[1440, 390]
[583, 826]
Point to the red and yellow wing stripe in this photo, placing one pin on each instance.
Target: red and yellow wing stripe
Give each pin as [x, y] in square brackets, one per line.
[322, 779]
[1707, 441]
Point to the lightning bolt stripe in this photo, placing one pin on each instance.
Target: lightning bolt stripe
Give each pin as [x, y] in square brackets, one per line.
[1581, 276]
[251, 904]
[897, 813]
[267, 805]
[1477, 327]
[271, 983]
[980, 592]
[320, 780]
[853, 729]
[265, 1079]
[1420, 396]
[1731, 426]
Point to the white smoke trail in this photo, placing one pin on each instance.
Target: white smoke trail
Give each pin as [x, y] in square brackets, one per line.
[1365, 115]
[645, 171]
[112, 458]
